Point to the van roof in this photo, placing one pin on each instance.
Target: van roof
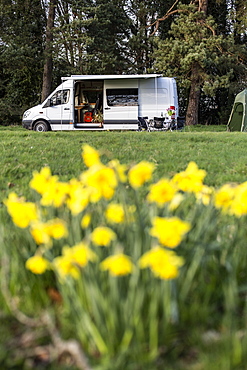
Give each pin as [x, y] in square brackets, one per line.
[109, 77]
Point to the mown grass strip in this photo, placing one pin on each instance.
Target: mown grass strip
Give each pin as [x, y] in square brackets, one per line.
[220, 153]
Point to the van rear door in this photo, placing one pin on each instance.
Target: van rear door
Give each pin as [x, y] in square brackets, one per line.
[121, 104]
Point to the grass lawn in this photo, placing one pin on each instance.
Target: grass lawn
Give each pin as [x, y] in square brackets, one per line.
[195, 320]
[220, 153]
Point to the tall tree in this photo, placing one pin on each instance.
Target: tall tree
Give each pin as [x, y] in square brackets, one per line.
[109, 31]
[21, 57]
[219, 10]
[140, 45]
[71, 36]
[48, 60]
[194, 53]
[197, 68]
[239, 21]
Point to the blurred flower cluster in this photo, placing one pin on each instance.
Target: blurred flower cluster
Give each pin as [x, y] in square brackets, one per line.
[100, 184]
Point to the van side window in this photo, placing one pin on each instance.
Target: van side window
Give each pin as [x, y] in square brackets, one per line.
[60, 97]
[121, 97]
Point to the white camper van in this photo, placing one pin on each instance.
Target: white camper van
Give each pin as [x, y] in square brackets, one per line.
[106, 102]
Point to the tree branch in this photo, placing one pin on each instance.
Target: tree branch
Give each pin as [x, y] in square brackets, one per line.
[65, 346]
[207, 26]
[169, 11]
[167, 15]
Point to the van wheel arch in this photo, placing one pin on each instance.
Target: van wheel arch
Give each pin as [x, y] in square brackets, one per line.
[41, 126]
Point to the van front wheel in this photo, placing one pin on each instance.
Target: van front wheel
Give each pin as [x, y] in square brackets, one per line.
[40, 126]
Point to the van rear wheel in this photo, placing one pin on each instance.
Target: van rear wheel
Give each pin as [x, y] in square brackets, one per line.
[41, 126]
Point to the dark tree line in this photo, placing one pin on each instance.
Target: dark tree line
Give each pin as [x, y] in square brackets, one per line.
[200, 42]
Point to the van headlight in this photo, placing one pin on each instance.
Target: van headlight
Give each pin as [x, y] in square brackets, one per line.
[26, 114]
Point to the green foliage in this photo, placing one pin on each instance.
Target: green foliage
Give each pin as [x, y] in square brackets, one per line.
[71, 38]
[220, 13]
[238, 22]
[191, 41]
[140, 44]
[21, 57]
[194, 42]
[109, 31]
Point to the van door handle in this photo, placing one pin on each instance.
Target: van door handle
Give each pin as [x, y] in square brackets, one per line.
[66, 109]
[107, 108]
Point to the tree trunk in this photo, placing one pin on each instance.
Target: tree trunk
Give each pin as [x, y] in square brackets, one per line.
[48, 64]
[239, 9]
[195, 86]
[203, 6]
[194, 96]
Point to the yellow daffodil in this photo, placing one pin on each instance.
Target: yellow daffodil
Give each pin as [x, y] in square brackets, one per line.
[78, 197]
[37, 264]
[85, 221]
[57, 228]
[224, 196]
[190, 180]
[176, 201]
[120, 169]
[117, 265]
[79, 254]
[161, 192]
[90, 155]
[103, 236]
[42, 180]
[169, 231]
[42, 232]
[238, 206]
[140, 173]
[205, 195]
[22, 212]
[101, 180]
[64, 266]
[163, 263]
[55, 194]
[72, 258]
[115, 213]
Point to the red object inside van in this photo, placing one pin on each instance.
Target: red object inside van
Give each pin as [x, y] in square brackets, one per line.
[88, 116]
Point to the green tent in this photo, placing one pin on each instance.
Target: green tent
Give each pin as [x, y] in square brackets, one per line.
[238, 117]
